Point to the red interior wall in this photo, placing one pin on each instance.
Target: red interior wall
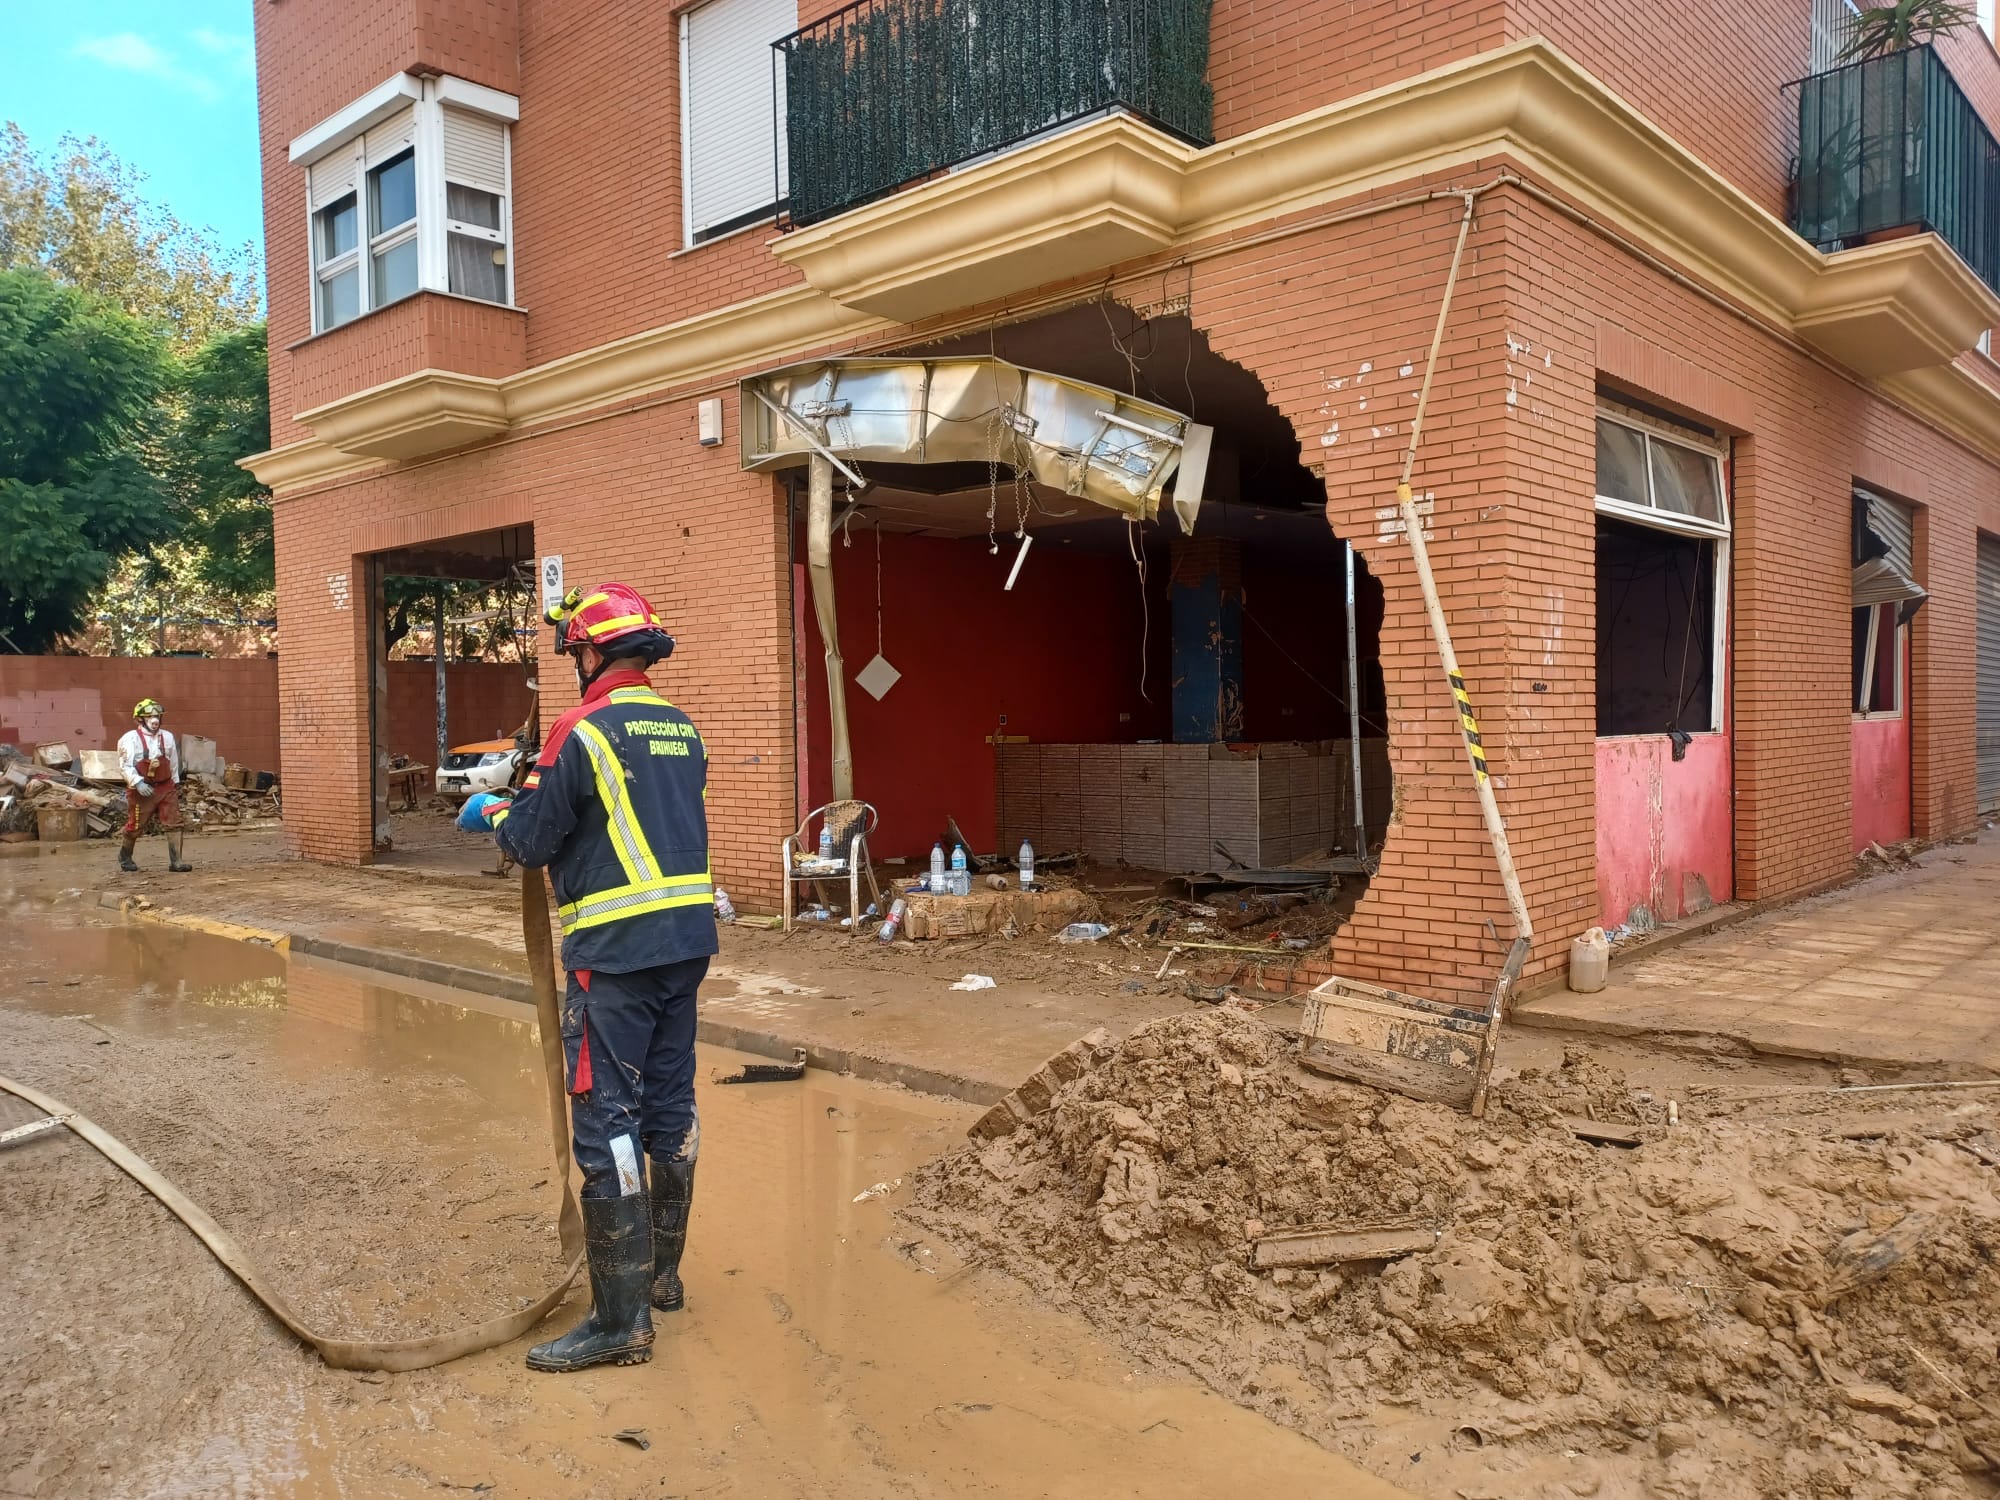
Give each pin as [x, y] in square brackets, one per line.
[1059, 656]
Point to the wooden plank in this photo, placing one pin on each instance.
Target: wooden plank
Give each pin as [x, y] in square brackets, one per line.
[1600, 1131]
[1384, 1070]
[1334, 1244]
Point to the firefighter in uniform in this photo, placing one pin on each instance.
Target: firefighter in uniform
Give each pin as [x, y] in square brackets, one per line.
[150, 760]
[616, 810]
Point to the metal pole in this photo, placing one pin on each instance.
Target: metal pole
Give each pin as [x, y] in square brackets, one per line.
[1413, 530]
[1354, 710]
[819, 565]
[437, 650]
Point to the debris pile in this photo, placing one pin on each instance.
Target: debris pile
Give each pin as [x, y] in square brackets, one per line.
[91, 787]
[1793, 1294]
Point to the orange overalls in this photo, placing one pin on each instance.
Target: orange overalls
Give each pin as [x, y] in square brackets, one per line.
[165, 803]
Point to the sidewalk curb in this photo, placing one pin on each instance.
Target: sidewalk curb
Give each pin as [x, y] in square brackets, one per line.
[715, 1033]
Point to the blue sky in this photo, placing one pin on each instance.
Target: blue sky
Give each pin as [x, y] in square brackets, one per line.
[169, 85]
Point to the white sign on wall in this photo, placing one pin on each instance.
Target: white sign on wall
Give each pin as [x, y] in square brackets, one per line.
[552, 582]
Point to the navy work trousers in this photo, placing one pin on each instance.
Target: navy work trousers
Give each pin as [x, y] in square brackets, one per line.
[628, 1040]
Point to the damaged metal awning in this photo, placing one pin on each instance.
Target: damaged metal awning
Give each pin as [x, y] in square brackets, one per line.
[1084, 440]
[1880, 581]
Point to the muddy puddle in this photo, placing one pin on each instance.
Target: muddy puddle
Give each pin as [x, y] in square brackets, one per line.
[381, 1150]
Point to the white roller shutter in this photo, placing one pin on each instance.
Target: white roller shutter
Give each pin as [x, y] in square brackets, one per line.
[332, 177]
[475, 151]
[1989, 673]
[733, 151]
[391, 136]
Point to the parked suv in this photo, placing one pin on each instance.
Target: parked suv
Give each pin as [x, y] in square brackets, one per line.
[487, 766]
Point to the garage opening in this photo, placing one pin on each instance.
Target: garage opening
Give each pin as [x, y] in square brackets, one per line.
[452, 702]
[1026, 664]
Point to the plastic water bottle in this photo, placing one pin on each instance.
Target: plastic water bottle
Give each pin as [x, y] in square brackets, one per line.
[1026, 864]
[961, 877]
[825, 842]
[890, 927]
[937, 867]
[725, 909]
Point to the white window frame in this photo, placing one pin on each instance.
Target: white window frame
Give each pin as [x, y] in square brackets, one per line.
[1680, 525]
[1902, 635]
[346, 132]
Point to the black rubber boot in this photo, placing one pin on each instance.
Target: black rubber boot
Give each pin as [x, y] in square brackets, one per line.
[617, 1235]
[174, 860]
[125, 861]
[673, 1196]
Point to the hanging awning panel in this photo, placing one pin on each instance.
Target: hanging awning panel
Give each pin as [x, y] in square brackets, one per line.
[1085, 440]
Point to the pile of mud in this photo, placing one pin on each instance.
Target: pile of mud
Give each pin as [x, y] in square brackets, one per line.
[1751, 1302]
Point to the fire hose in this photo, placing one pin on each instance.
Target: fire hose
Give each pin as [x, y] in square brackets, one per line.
[385, 1354]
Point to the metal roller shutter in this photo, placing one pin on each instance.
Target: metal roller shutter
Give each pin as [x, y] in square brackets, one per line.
[1989, 673]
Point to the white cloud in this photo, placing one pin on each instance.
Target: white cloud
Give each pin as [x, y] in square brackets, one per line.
[239, 52]
[131, 53]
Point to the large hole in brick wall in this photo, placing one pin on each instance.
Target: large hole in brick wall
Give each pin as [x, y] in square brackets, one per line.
[1139, 697]
[439, 736]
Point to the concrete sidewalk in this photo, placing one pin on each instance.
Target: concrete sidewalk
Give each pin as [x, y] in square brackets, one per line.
[1901, 969]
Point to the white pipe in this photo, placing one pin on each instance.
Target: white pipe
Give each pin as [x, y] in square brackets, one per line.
[1019, 558]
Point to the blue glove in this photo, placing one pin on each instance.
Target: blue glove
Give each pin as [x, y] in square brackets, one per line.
[477, 814]
[144, 789]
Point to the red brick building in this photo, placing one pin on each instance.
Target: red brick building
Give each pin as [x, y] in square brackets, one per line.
[1706, 354]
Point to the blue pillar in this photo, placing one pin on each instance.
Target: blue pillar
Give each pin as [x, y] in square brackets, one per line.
[1206, 595]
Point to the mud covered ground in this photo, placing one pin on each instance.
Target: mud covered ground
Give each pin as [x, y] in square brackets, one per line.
[1792, 1291]
[382, 1153]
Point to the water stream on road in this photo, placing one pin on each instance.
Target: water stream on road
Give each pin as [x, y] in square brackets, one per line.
[381, 1149]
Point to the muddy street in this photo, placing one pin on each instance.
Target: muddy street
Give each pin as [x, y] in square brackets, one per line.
[382, 1152]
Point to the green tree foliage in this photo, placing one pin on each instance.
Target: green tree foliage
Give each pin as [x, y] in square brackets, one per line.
[1900, 24]
[223, 413]
[79, 382]
[77, 213]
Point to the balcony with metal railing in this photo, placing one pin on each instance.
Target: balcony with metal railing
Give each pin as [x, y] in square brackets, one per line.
[885, 93]
[1892, 146]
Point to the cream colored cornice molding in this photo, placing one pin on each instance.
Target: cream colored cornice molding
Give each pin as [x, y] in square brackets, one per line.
[1114, 190]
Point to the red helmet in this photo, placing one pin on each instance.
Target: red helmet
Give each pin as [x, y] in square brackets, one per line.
[613, 617]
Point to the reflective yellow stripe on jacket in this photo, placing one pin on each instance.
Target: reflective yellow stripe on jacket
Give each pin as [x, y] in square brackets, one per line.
[646, 889]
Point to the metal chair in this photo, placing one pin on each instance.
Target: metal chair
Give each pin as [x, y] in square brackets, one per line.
[851, 822]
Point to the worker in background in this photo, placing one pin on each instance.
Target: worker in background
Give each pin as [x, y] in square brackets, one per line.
[616, 810]
[150, 759]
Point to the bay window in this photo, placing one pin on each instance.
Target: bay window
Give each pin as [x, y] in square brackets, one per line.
[409, 189]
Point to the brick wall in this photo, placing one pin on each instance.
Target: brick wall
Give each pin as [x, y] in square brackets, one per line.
[633, 497]
[87, 701]
[429, 331]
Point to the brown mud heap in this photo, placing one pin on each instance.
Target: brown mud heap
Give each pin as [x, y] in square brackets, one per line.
[1795, 1294]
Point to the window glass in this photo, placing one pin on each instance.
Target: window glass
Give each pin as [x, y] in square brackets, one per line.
[476, 267]
[392, 194]
[395, 273]
[1621, 463]
[1685, 480]
[472, 206]
[340, 297]
[337, 229]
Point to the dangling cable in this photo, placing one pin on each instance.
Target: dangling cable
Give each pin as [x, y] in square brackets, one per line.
[878, 588]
